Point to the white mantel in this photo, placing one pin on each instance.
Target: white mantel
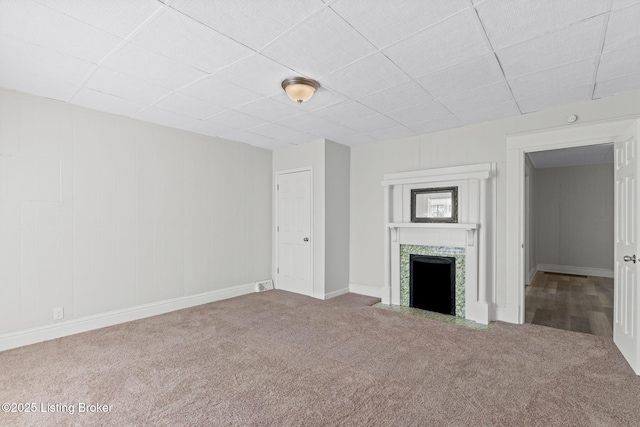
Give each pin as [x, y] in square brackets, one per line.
[470, 233]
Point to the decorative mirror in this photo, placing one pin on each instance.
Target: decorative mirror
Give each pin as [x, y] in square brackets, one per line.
[434, 204]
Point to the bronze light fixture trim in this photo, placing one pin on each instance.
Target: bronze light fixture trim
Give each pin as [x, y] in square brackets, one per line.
[300, 89]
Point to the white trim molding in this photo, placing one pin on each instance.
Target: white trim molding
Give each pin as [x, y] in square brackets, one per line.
[89, 323]
[518, 145]
[570, 269]
[336, 293]
[370, 291]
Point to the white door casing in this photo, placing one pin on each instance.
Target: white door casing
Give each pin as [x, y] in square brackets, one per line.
[626, 295]
[626, 298]
[293, 232]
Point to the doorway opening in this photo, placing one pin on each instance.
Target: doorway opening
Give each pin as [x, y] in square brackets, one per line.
[569, 237]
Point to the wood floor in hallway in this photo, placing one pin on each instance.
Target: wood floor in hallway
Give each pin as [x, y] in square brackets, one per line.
[573, 303]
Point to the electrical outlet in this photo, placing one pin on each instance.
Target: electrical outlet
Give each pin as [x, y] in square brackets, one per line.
[58, 313]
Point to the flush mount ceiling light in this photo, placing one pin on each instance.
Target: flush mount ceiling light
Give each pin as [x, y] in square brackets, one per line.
[299, 89]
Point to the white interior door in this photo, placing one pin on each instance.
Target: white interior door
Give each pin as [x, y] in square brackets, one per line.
[293, 232]
[626, 295]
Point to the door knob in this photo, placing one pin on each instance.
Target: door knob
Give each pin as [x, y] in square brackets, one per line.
[632, 258]
[306, 239]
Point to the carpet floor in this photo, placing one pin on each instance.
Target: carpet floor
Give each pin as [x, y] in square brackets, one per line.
[281, 359]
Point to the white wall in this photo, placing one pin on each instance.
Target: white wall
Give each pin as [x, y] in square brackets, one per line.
[337, 157]
[100, 212]
[485, 142]
[574, 216]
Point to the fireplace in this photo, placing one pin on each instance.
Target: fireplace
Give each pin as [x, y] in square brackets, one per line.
[470, 240]
[432, 283]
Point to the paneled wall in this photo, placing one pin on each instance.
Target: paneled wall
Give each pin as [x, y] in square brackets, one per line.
[100, 213]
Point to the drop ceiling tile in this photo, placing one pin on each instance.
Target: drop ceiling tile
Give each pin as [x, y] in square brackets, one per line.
[387, 21]
[42, 64]
[619, 4]
[124, 86]
[345, 111]
[185, 40]
[372, 124]
[165, 118]
[576, 94]
[508, 22]
[237, 120]
[253, 23]
[357, 140]
[555, 79]
[366, 76]
[105, 102]
[35, 83]
[622, 29]
[29, 21]
[220, 93]
[619, 63]
[580, 41]
[395, 98]
[256, 73]
[301, 138]
[617, 86]
[278, 132]
[463, 77]
[392, 133]
[188, 105]
[323, 98]
[307, 123]
[429, 126]
[334, 132]
[120, 18]
[431, 110]
[270, 110]
[452, 41]
[322, 44]
[482, 98]
[256, 140]
[496, 111]
[208, 128]
[152, 67]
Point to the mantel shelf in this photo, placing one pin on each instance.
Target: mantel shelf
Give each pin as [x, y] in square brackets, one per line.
[464, 226]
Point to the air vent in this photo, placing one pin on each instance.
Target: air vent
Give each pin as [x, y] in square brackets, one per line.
[264, 285]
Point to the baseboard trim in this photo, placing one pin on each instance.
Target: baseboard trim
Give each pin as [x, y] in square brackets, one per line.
[370, 291]
[504, 314]
[532, 273]
[583, 271]
[97, 321]
[336, 293]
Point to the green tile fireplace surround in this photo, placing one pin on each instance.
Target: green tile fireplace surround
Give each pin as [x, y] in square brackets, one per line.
[458, 253]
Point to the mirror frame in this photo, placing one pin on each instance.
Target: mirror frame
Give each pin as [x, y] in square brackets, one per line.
[454, 204]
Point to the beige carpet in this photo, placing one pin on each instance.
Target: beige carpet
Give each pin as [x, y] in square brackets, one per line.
[281, 359]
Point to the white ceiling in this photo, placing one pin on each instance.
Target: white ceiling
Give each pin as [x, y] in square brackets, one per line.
[387, 68]
[574, 156]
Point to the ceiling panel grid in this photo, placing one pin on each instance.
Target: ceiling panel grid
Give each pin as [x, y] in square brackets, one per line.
[387, 68]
